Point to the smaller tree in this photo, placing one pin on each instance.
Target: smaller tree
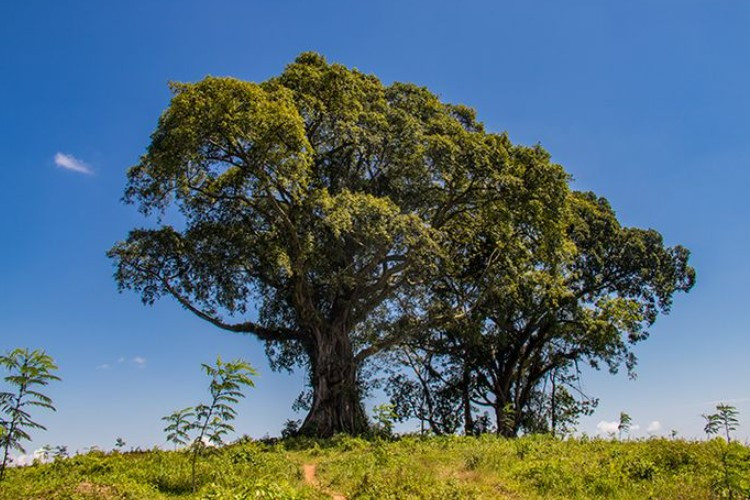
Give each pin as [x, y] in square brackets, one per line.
[119, 443]
[28, 371]
[179, 426]
[384, 415]
[724, 419]
[60, 452]
[624, 425]
[211, 421]
[712, 424]
[290, 428]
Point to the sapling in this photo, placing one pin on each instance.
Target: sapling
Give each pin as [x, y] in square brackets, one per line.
[624, 424]
[211, 421]
[712, 424]
[180, 423]
[119, 443]
[290, 428]
[384, 416]
[724, 419]
[28, 371]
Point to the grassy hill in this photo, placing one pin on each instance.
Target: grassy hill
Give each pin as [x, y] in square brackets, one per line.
[410, 467]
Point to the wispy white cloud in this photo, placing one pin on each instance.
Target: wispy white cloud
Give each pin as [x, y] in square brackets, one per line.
[208, 442]
[70, 162]
[605, 427]
[40, 455]
[138, 361]
[654, 426]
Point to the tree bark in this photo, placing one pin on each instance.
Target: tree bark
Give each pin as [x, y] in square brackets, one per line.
[336, 405]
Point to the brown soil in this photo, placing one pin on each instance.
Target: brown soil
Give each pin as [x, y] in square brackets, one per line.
[308, 473]
[94, 490]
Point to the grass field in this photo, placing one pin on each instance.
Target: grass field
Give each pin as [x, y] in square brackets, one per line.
[409, 467]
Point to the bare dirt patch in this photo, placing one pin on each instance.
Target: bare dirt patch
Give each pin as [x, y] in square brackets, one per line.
[95, 490]
[308, 473]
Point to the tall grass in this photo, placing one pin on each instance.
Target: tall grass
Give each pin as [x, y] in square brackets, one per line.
[410, 467]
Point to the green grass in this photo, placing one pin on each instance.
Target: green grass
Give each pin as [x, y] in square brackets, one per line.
[411, 467]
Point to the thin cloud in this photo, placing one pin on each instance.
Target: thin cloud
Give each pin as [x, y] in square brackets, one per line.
[103, 366]
[605, 427]
[140, 361]
[40, 455]
[207, 442]
[70, 162]
[654, 426]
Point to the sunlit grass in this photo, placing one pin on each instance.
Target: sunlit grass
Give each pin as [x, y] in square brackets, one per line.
[410, 467]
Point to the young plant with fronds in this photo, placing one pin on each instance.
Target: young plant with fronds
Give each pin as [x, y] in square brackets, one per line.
[211, 421]
[28, 371]
[179, 426]
[623, 425]
[725, 419]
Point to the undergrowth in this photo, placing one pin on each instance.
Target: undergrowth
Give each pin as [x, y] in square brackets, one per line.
[407, 468]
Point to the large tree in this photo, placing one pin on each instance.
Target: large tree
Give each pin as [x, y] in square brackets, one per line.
[313, 210]
[522, 325]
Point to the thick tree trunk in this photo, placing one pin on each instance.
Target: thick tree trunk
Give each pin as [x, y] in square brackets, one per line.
[336, 405]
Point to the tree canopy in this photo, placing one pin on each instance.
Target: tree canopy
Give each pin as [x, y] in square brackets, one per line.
[335, 217]
[524, 324]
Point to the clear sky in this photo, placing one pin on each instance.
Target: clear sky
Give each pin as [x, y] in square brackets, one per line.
[644, 102]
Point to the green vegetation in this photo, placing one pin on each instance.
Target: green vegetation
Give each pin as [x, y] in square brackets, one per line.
[360, 219]
[211, 421]
[367, 233]
[28, 372]
[724, 419]
[623, 425]
[447, 467]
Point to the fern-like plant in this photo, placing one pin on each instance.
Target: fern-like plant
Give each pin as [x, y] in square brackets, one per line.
[178, 429]
[211, 420]
[28, 371]
[623, 425]
[724, 419]
[119, 444]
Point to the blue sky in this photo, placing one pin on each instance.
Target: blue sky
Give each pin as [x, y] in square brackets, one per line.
[644, 102]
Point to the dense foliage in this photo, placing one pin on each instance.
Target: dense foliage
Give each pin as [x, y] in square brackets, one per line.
[347, 217]
[412, 467]
[527, 309]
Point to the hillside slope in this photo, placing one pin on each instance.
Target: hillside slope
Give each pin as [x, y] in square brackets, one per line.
[411, 467]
